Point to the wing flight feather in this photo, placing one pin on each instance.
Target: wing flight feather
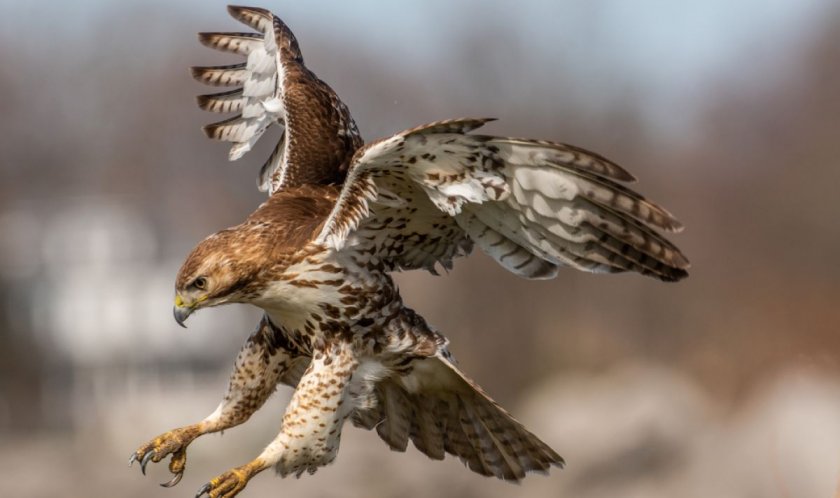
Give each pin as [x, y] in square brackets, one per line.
[317, 134]
[531, 205]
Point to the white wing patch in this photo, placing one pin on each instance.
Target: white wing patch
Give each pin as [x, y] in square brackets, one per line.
[259, 101]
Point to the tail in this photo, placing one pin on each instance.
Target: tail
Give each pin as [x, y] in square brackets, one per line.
[443, 411]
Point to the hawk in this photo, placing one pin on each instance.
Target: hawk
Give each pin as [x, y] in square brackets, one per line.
[340, 217]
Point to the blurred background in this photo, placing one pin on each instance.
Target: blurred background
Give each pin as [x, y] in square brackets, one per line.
[725, 384]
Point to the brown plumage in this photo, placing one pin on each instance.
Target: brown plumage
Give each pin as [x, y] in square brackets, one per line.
[319, 136]
[316, 257]
[277, 231]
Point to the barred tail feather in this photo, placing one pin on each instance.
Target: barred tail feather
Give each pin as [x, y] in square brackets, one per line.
[396, 423]
[427, 429]
[442, 411]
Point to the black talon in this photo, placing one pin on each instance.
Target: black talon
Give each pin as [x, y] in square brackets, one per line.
[132, 459]
[175, 480]
[203, 490]
[145, 460]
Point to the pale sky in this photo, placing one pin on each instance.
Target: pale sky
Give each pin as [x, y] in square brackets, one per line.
[666, 52]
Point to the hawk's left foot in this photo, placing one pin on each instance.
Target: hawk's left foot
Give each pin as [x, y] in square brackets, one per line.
[174, 442]
[230, 483]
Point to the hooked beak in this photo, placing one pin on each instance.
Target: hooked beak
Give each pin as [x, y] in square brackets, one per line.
[181, 313]
[182, 310]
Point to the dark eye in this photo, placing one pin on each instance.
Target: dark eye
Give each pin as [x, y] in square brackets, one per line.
[200, 283]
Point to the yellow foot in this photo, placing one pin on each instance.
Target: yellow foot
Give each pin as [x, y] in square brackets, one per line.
[173, 442]
[230, 483]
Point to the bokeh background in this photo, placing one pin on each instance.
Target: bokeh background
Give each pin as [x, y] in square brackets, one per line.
[725, 384]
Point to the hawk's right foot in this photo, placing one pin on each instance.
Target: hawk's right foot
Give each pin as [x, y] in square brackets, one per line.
[230, 483]
[174, 442]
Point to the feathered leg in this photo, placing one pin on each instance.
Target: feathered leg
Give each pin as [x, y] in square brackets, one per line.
[262, 362]
[311, 428]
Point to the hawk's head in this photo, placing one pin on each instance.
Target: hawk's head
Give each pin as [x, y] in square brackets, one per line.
[220, 270]
[239, 264]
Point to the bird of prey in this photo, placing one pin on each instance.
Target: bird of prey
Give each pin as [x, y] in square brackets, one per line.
[341, 216]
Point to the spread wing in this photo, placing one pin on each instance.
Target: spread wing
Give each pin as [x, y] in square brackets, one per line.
[318, 134]
[425, 195]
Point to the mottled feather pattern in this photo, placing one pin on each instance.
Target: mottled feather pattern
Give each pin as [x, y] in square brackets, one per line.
[316, 257]
[403, 231]
[278, 231]
[523, 199]
[354, 208]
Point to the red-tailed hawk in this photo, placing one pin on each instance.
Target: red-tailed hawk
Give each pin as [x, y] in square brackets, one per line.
[340, 216]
